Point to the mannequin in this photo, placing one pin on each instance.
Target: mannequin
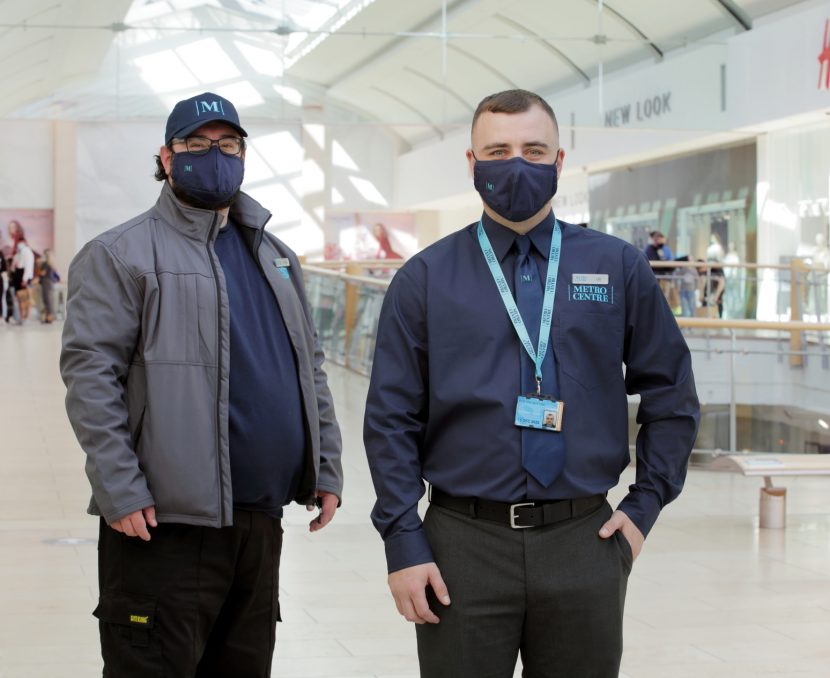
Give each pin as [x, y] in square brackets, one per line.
[820, 278]
[821, 253]
[715, 250]
[732, 256]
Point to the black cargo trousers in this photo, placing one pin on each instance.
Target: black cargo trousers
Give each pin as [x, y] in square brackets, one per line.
[193, 602]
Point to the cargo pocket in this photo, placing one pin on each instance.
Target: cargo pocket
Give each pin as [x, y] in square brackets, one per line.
[129, 644]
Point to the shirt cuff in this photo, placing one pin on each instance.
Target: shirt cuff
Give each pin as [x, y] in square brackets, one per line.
[406, 549]
[643, 509]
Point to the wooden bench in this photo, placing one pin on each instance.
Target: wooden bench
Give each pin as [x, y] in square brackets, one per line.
[773, 500]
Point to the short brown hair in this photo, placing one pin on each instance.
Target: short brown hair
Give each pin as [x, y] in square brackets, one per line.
[513, 101]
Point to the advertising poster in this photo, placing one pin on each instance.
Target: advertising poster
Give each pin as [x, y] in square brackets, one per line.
[358, 236]
[38, 227]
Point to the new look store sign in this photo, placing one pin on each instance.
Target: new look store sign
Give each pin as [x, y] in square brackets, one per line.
[682, 92]
[641, 111]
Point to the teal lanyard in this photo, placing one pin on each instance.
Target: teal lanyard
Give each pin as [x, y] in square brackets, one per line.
[537, 356]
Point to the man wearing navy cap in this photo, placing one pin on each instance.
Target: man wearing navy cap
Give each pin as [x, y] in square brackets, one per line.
[195, 387]
[498, 378]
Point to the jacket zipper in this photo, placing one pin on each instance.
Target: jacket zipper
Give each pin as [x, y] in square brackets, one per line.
[219, 364]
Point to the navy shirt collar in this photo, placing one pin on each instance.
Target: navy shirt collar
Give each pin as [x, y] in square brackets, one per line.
[502, 238]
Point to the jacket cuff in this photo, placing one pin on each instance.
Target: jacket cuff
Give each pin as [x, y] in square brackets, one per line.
[120, 511]
[406, 549]
[643, 509]
[331, 489]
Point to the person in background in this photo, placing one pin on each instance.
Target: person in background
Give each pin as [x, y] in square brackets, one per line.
[47, 276]
[686, 278]
[658, 251]
[4, 285]
[713, 285]
[23, 272]
[195, 387]
[479, 335]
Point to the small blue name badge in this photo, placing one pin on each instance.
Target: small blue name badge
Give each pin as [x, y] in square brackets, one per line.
[282, 264]
[539, 411]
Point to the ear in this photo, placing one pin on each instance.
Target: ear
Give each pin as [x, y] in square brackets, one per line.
[166, 156]
[471, 160]
[560, 160]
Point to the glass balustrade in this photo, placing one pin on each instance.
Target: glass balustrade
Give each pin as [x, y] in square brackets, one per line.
[762, 369]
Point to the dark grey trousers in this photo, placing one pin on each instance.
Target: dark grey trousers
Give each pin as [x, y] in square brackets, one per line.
[554, 593]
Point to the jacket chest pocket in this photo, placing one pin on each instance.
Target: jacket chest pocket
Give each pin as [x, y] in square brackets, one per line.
[589, 347]
[180, 323]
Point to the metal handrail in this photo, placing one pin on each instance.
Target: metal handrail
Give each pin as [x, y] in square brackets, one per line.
[743, 324]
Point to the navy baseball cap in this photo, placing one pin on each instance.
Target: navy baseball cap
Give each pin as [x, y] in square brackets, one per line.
[190, 114]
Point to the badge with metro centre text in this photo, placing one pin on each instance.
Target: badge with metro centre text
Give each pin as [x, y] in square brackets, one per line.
[539, 411]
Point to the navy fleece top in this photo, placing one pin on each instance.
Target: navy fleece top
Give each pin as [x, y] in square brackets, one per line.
[267, 427]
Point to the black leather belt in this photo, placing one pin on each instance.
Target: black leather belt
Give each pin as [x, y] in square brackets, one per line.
[518, 516]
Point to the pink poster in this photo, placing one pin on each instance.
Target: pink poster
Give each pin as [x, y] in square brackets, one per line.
[369, 235]
[37, 226]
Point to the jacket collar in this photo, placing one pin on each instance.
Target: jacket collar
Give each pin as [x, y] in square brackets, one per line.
[202, 225]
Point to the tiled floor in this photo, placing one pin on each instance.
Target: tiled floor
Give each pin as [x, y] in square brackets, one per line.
[712, 596]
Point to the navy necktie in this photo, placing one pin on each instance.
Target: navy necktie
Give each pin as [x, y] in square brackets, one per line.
[543, 452]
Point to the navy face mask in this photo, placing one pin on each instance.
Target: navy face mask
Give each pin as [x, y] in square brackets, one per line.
[211, 179]
[515, 189]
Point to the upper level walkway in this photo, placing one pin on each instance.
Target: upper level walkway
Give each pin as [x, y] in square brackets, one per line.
[711, 595]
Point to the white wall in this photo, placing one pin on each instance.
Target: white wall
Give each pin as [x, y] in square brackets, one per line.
[114, 174]
[26, 166]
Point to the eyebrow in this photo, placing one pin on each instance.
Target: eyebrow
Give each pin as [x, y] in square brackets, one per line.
[539, 144]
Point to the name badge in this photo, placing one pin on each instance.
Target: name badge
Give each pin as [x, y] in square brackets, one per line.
[540, 412]
[282, 262]
[590, 279]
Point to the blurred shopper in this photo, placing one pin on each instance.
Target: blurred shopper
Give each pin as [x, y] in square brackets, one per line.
[4, 285]
[687, 281]
[23, 273]
[195, 387]
[658, 250]
[713, 285]
[485, 339]
[47, 276]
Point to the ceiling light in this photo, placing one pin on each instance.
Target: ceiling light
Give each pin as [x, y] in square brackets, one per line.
[823, 424]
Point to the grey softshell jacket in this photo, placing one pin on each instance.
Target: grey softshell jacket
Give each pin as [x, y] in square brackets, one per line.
[145, 362]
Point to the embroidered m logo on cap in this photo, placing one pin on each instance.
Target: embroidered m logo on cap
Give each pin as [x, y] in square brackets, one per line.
[209, 107]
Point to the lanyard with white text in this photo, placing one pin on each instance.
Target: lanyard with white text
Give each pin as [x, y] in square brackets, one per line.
[538, 355]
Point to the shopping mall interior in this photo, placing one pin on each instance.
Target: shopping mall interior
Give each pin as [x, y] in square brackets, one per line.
[707, 122]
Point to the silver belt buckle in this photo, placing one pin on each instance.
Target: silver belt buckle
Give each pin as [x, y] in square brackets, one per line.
[513, 508]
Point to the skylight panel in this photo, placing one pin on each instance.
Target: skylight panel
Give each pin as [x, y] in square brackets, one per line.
[164, 72]
[208, 61]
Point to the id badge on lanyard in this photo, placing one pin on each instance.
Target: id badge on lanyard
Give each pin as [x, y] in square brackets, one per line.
[533, 410]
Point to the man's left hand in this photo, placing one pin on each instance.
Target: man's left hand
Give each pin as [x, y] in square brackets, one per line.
[620, 521]
[327, 510]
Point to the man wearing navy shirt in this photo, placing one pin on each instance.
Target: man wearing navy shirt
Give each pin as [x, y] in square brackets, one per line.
[195, 387]
[498, 378]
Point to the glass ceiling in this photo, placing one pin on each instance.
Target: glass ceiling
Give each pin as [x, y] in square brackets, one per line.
[228, 46]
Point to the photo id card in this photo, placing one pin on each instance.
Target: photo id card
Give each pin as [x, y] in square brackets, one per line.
[539, 411]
